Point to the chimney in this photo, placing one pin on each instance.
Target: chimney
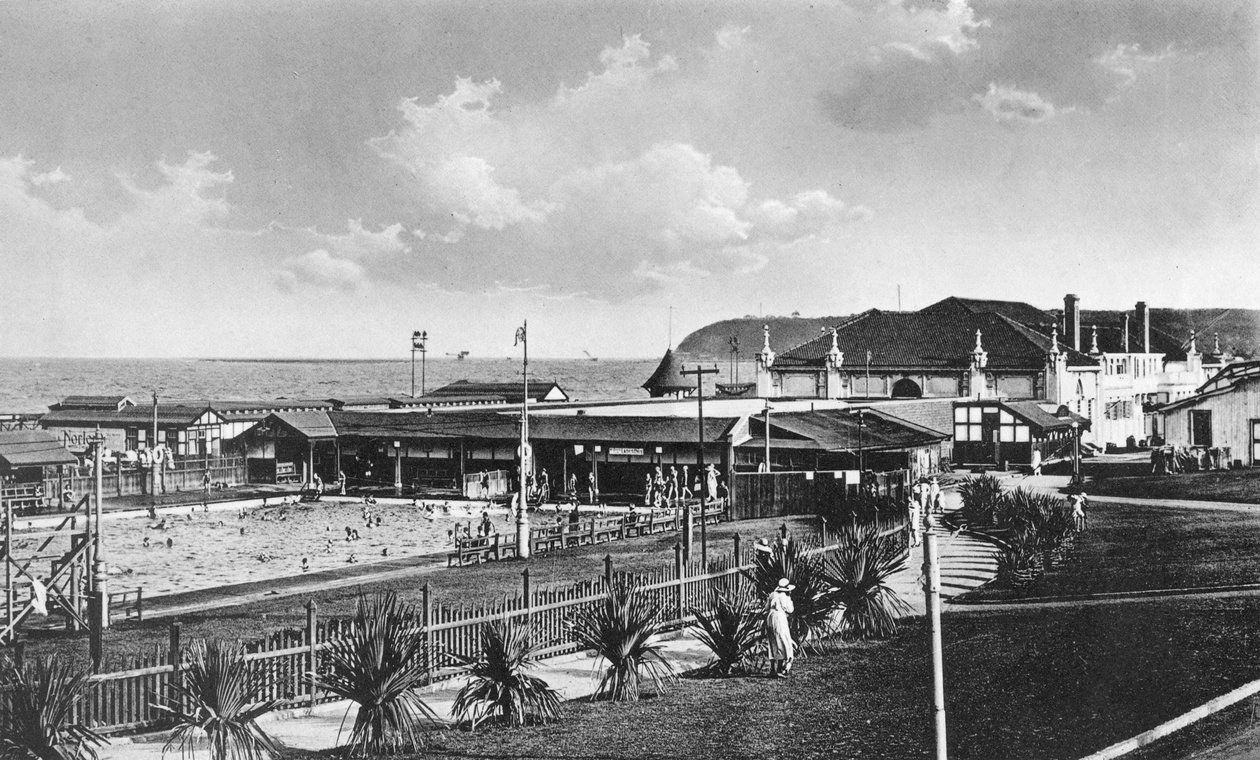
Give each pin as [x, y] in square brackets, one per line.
[1144, 324]
[1072, 321]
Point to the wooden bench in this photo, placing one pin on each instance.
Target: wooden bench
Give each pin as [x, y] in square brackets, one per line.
[475, 550]
[547, 539]
[286, 472]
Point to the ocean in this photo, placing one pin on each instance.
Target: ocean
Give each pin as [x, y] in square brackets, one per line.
[30, 385]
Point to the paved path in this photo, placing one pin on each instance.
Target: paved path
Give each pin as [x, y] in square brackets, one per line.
[966, 562]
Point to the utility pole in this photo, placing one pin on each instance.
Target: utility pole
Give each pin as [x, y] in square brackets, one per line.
[767, 457]
[418, 340]
[932, 593]
[522, 511]
[699, 372]
[157, 471]
[861, 415]
[98, 615]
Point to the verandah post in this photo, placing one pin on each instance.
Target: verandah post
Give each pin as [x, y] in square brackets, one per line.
[608, 571]
[526, 594]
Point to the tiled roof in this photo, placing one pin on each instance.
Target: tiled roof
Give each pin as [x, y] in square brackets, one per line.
[537, 389]
[667, 378]
[1045, 416]
[938, 339]
[92, 402]
[557, 427]
[1018, 311]
[312, 425]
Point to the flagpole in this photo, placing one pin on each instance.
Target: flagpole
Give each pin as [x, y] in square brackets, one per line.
[522, 513]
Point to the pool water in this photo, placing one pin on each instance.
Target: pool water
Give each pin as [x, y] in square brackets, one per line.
[217, 548]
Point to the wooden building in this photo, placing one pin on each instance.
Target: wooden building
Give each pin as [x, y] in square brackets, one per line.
[1224, 413]
[994, 432]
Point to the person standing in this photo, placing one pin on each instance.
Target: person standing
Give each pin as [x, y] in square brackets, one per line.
[934, 495]
[591, 490]
[1036, 463]
[915, 521]
[573, 484]
[778, 631]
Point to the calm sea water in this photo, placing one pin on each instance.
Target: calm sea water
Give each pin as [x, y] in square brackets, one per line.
[30, 385]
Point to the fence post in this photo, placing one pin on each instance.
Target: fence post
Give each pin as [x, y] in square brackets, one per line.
[426, 619]
[177, 659]
[738, 551]
[311, 634]
[608, 574]
[140, 604]
[526, 594]
[680, 573]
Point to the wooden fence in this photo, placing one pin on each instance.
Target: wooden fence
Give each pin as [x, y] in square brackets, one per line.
[186, 475]
[777, 494]
[123, 700]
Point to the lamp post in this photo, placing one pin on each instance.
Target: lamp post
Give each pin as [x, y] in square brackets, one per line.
[699, 372]
[1076, 453]
[861, 415]
[767, 455]
[419, 338]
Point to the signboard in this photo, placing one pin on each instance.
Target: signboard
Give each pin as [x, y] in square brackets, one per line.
[623, 451]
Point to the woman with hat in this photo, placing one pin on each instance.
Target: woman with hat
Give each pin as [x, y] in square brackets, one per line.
[778, 632]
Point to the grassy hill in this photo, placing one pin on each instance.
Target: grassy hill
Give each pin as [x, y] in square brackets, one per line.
[713, 341]
[1239, 331]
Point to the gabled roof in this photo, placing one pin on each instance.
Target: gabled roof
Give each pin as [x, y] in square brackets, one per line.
[312, 425]
[32, 448]
[838, 430]
[538, 390]
[167, 415]
[937, 339]
[1231, 377]
[667, 377]
[114, 403]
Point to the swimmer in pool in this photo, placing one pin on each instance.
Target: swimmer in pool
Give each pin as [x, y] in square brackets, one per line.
[170, 542]
[385, 552]
[242, 531]
[306, 565]
[353, 559]
[146, 542]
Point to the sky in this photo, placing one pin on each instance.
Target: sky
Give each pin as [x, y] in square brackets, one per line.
[274, 178]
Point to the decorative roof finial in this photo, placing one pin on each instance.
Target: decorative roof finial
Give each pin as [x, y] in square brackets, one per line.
[1093, 340]
[1194, 344]
[1054, 340]
[1216, 343]
[979, 357]
[765, 339]
[979, 347]
[835, 357]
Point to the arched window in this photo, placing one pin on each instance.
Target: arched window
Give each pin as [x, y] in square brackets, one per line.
[906, 388]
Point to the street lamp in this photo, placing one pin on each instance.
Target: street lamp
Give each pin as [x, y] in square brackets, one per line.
[418, 340]
[861, 415]
[1076, 453]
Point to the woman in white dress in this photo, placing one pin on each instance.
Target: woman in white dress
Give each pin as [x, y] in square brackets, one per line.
[778, 632]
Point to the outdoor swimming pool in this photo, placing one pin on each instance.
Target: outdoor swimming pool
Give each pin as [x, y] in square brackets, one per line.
[218, 547]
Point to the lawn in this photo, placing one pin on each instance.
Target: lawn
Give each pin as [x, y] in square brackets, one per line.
[476, 584]
[1241, 485]
[1139, 547]
[1020, 685]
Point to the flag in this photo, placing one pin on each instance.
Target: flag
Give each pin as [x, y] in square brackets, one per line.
[520, 335]
[417, 340]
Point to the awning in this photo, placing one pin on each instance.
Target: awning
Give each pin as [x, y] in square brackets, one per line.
[32, 448]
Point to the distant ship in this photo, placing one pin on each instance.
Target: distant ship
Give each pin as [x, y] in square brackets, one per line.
[588, 355]
[462, 355]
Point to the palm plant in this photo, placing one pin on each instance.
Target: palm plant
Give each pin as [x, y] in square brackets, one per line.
[980, 499]
[220, 695]
[859, 572]
[1018, 565]
[377, 663]
[498, 688]
[39, 722]
[624, 630]
[732, 629]
[813, 598]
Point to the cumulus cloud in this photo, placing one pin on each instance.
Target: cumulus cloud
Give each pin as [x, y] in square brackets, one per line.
[1126, 61]
[320, 269]
[1008, 104]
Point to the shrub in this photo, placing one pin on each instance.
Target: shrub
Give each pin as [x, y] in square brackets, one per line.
[220, 695]
[1018, 563]
[499, 689]
[378, 663]
[37, 723]
[624, 630]
[813, 598]
[732, 630]
[981, 499]
[859, 571]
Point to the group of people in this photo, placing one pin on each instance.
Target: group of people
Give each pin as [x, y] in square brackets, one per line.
[1170, 460]
[925, 499]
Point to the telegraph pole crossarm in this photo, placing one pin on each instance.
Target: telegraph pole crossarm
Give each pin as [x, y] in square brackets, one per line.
[699, 372]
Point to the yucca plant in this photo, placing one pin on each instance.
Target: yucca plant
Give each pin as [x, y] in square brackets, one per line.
[624, 630]
[859, 571]
[1018, 562]
[731, 629]
[39, 719]
[813, 598]
[220, 696]
[499, 689]
[378, 662]
[981, 499]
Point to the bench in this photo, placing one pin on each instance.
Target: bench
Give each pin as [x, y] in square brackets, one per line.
[286, 472]
[475, 550]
